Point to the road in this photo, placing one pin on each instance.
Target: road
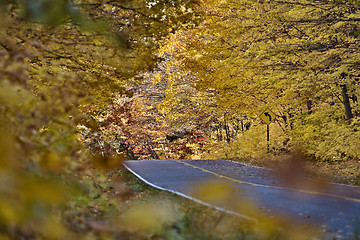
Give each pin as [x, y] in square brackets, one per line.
[335, 209]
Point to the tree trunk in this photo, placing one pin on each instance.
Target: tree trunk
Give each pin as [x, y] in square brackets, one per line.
[309, 106]
[346, 102]
[218, 133]
[242, 126]
[227, 131]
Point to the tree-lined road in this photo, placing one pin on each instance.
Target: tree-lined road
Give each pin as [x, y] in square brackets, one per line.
[336, 209]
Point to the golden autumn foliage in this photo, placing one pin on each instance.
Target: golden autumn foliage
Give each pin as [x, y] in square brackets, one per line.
[298, 58]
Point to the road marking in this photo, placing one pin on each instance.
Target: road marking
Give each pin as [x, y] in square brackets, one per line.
[275, 187]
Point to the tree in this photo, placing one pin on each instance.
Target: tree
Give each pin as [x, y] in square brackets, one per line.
[292, 56]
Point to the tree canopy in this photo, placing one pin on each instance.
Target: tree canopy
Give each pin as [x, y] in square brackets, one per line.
[300, 58]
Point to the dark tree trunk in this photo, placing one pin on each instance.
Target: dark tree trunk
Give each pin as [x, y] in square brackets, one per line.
[354, 98]
[346, 102]
[309, 106]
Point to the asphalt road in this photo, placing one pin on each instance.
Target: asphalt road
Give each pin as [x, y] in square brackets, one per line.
[335, 208]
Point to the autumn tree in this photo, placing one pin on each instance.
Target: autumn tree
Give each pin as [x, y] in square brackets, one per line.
[298, 57]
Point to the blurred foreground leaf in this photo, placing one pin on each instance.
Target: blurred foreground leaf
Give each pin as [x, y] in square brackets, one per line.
[150, 217]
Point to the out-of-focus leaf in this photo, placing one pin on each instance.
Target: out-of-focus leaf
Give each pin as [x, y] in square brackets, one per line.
[7, 153]
[8, 213]
[53, 228]
[35, 189]
[215, 191]
[148, 217]
[46, 11]
[51, 162]
[108, 162]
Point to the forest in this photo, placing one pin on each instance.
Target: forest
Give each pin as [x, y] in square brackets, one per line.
[86, 85]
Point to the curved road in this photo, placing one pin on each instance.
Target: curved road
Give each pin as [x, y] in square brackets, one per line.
[336, 208]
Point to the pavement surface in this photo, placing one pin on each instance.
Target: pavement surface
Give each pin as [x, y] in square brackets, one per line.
[335, 208]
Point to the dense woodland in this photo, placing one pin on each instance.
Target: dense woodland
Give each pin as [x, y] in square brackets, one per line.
[88, 84]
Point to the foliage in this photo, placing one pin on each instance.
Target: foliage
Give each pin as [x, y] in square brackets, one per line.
[299, 58]
[140, 127]
[249, 145]
[128, 125]
[336, 142]
[32, 157]
[58, 59]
